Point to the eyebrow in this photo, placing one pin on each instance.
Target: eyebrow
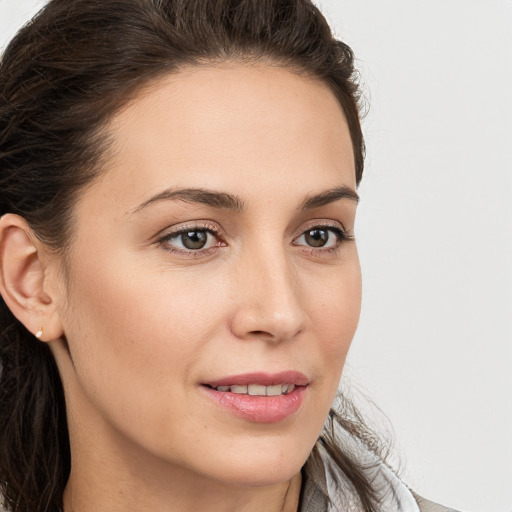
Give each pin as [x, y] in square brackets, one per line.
[330, 196]
[197, 195]
[227, 201]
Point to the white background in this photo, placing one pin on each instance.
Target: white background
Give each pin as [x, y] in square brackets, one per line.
[434, 347]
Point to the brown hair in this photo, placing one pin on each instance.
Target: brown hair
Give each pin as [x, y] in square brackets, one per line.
[61, 80]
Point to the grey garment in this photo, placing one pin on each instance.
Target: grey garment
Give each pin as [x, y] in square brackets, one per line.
[430, 506]
[313, 499]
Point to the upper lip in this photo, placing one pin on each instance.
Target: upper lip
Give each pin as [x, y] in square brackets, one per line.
[265, 379]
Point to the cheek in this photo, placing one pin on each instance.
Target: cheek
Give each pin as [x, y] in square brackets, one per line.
[335, 315]
[337, 308]
[135, 335]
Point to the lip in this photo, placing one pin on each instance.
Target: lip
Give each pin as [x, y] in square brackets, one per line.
[259, 409]
[265, 379]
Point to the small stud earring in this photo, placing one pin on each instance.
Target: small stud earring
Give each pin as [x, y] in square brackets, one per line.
[40, 332]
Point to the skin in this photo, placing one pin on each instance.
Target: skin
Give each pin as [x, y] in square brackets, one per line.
[138, 322]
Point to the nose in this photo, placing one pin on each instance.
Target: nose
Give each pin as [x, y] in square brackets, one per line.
[268, 305]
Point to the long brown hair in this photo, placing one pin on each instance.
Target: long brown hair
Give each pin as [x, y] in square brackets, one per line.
[61, 80]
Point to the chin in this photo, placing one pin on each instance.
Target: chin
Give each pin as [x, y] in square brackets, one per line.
[257, 476]
[259, 466]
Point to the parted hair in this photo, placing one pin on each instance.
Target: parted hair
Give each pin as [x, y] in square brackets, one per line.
[62, 78]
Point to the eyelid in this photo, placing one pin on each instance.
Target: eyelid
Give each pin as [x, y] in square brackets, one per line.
[183, 227]
[197, 225]
[323, 223]
[342, 234]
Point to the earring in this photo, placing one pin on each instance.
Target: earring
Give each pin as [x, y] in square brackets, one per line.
[40, 332]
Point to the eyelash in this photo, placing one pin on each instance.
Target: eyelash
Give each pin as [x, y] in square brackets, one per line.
[205, 228]
[342, 236]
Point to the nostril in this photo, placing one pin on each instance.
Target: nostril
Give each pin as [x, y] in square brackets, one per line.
[261, 333]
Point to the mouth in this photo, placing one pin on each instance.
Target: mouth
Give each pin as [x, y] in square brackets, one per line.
[256, 389]
[259, 397]
[253, 383]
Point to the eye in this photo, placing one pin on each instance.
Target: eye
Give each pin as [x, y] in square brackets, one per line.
[190, 240]
[322, 237]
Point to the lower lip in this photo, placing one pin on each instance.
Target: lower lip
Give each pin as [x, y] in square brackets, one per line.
[259, 409]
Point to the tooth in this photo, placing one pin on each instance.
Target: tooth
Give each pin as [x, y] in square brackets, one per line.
[223, 388]
[256, 389]
[274, 390]
[287, 388]
[239, 389]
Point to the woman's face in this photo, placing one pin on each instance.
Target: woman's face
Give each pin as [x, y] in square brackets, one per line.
[212, 264]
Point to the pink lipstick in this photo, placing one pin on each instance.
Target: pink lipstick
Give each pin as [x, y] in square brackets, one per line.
[259, 397]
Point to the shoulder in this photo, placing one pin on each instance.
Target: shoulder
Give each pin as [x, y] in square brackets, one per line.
[430, 506]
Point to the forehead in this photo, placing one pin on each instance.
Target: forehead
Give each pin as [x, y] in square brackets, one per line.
[229, 126]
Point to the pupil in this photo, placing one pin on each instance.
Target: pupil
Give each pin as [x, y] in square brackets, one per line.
[317, 237]
[194, 239]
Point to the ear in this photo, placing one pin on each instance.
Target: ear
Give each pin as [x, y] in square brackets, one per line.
[24, 284]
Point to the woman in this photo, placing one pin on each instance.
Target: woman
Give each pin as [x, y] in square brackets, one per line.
[179, 275]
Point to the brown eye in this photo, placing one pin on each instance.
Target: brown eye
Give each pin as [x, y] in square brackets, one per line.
[322, 237]
[316, 237]
[190, 240]
[194, 239]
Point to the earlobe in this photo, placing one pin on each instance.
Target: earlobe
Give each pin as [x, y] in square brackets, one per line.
[22, 279]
